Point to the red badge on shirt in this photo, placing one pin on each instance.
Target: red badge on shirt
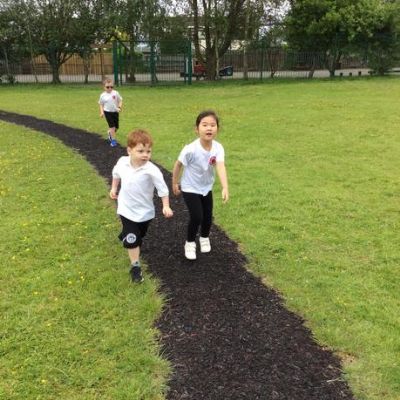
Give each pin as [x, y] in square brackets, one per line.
[212, 160]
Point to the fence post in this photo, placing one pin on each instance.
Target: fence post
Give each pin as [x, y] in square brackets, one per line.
[190, 62]
[152, 64]
[120, 62]
[115, 61]
[262, 60]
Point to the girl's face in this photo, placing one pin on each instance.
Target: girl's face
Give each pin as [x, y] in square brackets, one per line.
[207, 129]
[139, 154]
[108, 87]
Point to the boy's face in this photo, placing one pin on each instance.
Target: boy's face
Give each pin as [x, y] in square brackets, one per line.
[108, 87]
[140, 154]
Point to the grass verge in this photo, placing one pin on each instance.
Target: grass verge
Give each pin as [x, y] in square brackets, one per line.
[73, 326]
[313, 169]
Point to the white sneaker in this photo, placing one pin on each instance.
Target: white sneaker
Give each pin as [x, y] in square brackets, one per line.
[205, 246]
[190, 250]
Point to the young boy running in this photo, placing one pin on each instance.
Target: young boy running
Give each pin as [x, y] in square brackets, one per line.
[110, 104]
[138, 178]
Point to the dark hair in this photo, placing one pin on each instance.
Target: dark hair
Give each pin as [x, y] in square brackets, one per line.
[207, 113]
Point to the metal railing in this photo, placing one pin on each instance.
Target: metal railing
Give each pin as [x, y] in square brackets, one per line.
[147, 64]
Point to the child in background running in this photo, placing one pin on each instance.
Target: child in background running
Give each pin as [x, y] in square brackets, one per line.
[110, 103]
[138, 177]
[199, 159]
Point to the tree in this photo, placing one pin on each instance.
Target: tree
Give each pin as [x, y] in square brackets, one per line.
[134, 21]
[218, 22]
[55, 28]
[52, 31]
[318, 26]
[6, 41]
[333, 27]
[262, 29]
[12, 48]
[89, 28]
[379, 41]
[174, 39]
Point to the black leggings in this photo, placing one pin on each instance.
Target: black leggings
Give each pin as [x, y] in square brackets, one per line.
[200, 210]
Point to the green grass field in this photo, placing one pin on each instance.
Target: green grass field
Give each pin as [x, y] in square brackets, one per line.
[72, 328]
[315, 188]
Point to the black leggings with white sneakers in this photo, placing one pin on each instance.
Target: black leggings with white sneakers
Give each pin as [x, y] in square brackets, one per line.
[200, 211]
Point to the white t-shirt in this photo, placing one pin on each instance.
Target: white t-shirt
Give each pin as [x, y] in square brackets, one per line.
[198, 174]
[110, 101]
[135, 199]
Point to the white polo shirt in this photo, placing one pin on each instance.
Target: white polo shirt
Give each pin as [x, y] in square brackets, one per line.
[110, 101]
[135, 198]
[198, 175]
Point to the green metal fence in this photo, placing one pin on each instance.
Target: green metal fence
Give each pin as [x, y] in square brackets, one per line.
[145, 62]
[157, 63]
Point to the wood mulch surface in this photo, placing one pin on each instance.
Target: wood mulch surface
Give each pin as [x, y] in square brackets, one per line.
[227, 336]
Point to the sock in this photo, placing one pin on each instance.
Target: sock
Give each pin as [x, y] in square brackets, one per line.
[136, 264]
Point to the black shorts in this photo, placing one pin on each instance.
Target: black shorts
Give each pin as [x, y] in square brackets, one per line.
[132, 232]
[112, 119]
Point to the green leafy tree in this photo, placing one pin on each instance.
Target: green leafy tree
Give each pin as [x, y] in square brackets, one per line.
[216, 23]
[6, 42]
[335, 27]
[261, 28]
[89, 28]
[319, 26]
[53, 31]
[381, 36]
[134, 21]
[174, 39]
[56, 29]
[12, 47]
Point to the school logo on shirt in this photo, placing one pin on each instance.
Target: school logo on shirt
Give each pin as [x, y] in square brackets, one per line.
[130, 238]
[212, 160]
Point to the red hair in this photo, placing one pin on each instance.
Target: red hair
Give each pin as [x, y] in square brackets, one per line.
[139, 136]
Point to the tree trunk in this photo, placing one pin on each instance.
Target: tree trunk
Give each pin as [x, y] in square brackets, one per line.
[86, 67]
[6, 61]
[211, 64]
[332, 62]
[53, 58]
[132, 63]
[101, 64]
[55, 74]
[245, 63]
[31, 54]
[312, 69]
[196, 28]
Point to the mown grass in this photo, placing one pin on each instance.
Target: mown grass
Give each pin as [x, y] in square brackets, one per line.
[72, 327]
[313, 169]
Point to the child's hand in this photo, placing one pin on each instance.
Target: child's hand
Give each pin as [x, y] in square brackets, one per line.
[176, 189]
[168, 213]
[225, 195]
[101, 115]
[119, 109]
[113, 194]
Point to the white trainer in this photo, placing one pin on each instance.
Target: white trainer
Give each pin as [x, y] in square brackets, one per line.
[190, 250]
[205, 246]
